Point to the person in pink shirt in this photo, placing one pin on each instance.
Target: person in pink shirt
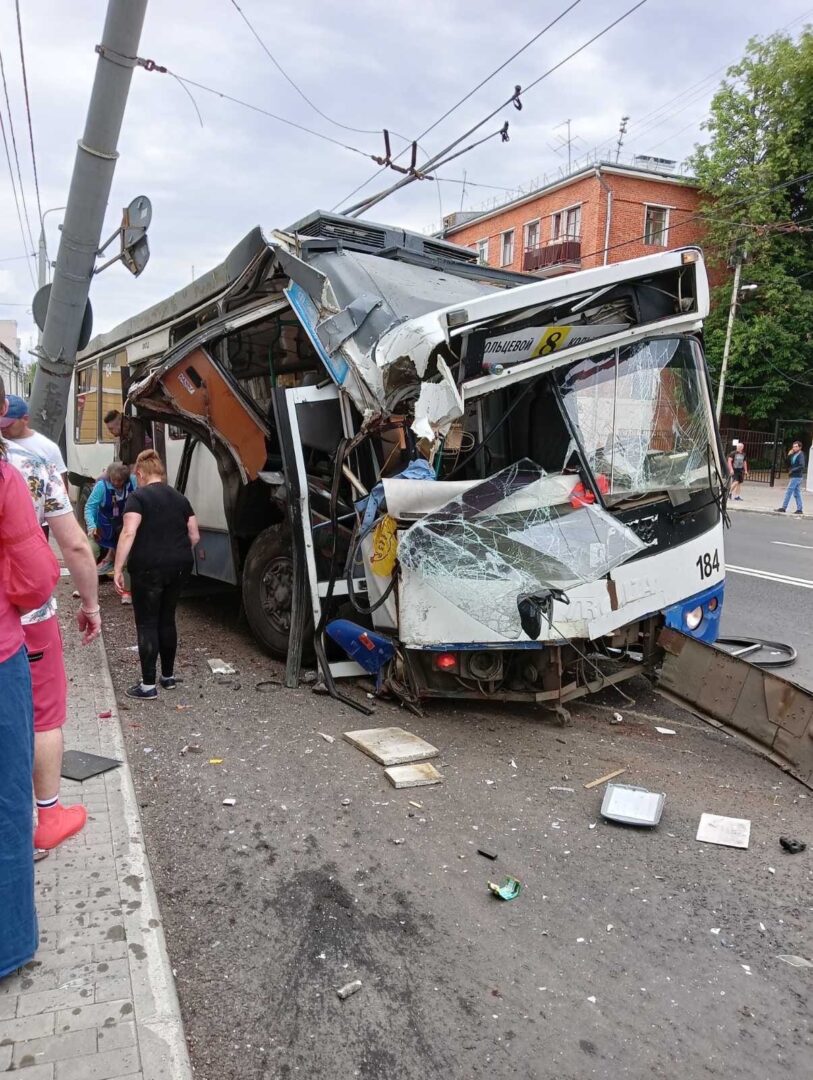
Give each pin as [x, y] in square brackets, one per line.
[28, 574]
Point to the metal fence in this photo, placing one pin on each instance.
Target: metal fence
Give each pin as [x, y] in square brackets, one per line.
[759, 452]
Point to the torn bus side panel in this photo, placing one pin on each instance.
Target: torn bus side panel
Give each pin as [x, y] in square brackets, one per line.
[195, 388]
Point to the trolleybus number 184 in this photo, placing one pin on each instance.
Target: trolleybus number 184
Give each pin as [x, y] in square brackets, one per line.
[708, 563]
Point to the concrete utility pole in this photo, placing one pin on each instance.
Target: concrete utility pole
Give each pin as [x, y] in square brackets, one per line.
[84, 215]
[732, 311]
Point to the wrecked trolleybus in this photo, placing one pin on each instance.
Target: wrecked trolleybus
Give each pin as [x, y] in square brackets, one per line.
[464, 481]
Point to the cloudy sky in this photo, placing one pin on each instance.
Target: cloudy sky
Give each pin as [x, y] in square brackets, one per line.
[367, 65]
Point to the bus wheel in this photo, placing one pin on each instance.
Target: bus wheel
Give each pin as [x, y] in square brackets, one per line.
[267, 587]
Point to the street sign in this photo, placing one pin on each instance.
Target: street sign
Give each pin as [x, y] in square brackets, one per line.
[40, 309]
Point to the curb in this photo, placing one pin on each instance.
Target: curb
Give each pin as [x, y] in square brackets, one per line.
[760, 510]
[159, 1028]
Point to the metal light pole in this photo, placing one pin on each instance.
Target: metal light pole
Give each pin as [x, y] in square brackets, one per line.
[732, 311]
[84, 215]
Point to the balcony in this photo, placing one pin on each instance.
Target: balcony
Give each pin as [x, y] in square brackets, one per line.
[555, 257]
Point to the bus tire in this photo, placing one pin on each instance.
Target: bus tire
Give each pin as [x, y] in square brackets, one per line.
[267, 589]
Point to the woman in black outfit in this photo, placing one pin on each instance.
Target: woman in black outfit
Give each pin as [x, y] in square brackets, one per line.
[156, 543]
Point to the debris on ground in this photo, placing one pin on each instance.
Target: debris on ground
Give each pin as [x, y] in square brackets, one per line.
[391, 745]
[486, 854]
[570, 789]
[190, 748]
[632, 805]
[182, 708]
[795, 961]
[512, 763]
[725, 831]
[417, 805]
[106, 714]
[230, 802]
[508, 889]
[348, 989]
[400, 840]
[603, 779]
[345, 802]
[327, 738]
[215, 760]
[793, 847]
[418, 775]
[221, 667]
[266, 686]
[616, 718]
[665, 730]
[308, 678]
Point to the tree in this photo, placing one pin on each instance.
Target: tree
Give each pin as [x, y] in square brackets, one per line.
[760, 145]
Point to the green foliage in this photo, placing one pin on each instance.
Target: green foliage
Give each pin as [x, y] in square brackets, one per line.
[760, 137]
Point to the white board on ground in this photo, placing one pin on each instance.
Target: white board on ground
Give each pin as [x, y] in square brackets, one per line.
[420, 775]
[391, 745]
[726, 831]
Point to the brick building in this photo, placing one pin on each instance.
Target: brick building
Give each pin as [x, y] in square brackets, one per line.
[603, 213]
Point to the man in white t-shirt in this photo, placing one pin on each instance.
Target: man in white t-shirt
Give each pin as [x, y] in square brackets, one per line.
[55, 822]
[14, 427]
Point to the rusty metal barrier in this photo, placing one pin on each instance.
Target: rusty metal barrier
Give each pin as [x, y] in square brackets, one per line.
[771, 713]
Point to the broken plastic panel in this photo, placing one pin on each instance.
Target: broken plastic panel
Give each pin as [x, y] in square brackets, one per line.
[515, 533]
[641, 415]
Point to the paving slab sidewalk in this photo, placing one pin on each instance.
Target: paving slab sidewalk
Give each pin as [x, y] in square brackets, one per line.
[764, 499]
[98, 1002]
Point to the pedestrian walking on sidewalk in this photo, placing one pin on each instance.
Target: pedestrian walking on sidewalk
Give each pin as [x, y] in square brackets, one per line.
[738, 468]
[796, 472]
[28, 574]
[43, 639]
[104, 517]
[156, 542]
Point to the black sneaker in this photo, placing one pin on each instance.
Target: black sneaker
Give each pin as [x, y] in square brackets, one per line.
[798, 511]
[779, 510]
[142, 695]
[168, 683]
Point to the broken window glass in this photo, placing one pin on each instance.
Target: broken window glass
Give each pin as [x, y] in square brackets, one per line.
[641, 415]
[514, 534]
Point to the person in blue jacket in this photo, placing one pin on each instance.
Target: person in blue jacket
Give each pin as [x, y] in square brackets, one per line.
[104, 515]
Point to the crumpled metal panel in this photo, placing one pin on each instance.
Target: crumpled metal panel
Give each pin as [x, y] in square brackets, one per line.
[772, 712]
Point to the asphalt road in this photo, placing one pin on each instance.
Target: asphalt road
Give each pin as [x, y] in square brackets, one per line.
[629, 953]
[764, 549]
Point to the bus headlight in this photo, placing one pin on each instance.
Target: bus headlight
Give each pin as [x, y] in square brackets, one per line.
[694, 617]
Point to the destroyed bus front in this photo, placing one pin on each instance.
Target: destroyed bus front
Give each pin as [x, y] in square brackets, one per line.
[484, 484]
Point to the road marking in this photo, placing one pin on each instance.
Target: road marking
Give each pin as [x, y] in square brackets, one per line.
[784, 543]
[802, 583]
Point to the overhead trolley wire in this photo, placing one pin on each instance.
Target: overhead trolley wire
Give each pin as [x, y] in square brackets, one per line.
[466, 97]
[24, 216]
[287, 77]
[513, 99]
[28, 112]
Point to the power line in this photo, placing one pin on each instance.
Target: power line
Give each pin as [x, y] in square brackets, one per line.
[466, 97]
[14, 190]
[28, 112]
[514, 99]
[265, 112]
[287, 77]
[16, 155]
[15, 258]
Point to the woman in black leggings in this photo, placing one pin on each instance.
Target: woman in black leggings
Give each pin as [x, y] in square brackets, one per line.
[156, 543]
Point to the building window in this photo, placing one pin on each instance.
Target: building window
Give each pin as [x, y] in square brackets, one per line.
[531, 235]
[482, 252]
[567, 224]
[656, 226]
[507, 248]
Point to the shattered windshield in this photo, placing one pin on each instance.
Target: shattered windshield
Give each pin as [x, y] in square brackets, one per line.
[515, 533]
[642, 416]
